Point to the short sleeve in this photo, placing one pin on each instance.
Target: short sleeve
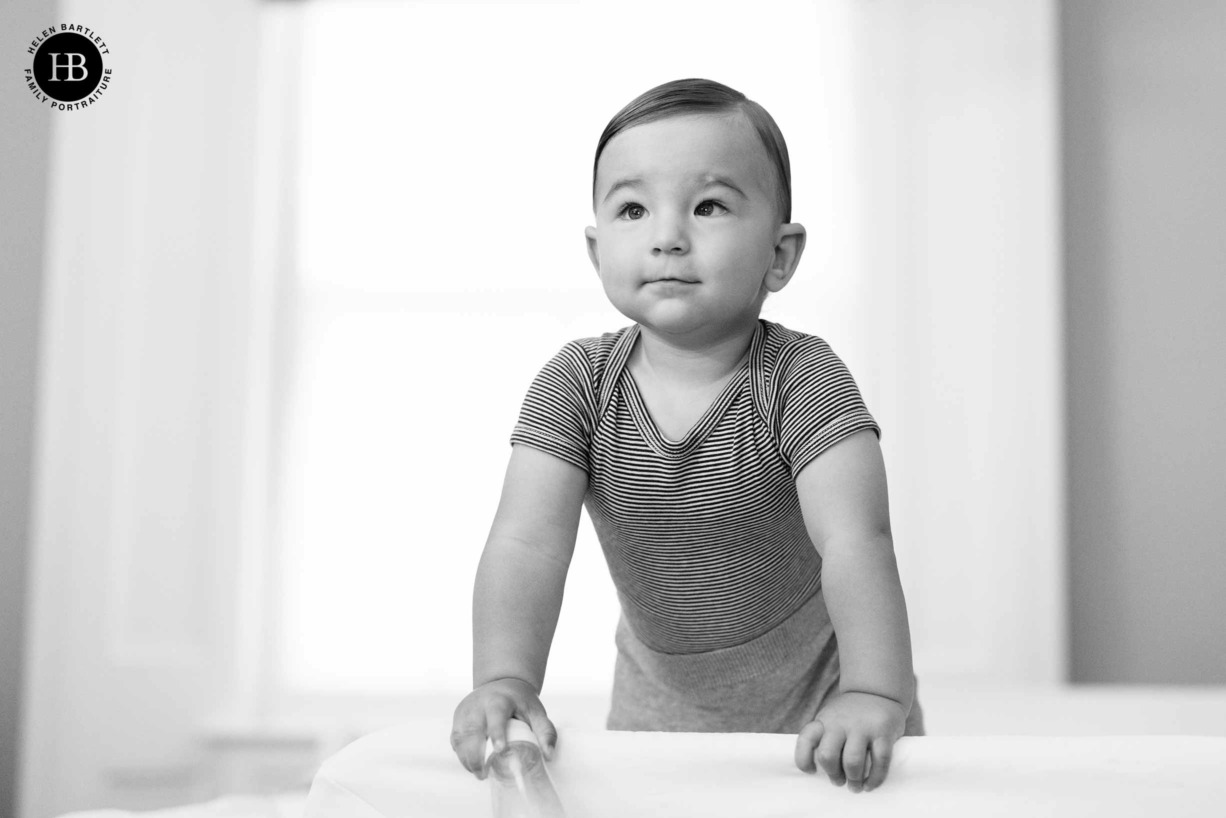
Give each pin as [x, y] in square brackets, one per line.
[819, 403]
[558, 412]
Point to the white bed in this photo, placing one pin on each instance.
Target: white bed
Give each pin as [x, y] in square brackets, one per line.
[984, 740]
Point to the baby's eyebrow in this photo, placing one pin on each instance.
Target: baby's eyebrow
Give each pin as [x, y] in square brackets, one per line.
[621, 183]
[706, 181]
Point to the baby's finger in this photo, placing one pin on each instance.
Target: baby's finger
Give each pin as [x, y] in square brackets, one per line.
[855, 752]
[468, 741]
[829, 755]
[806, 743]
[882, 748]
[546, 734]
[496, 718]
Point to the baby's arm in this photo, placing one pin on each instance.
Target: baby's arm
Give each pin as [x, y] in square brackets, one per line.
[843, 498]
[516, 599]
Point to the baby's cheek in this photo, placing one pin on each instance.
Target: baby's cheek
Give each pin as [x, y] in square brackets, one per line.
[625, 256]
[627, 269]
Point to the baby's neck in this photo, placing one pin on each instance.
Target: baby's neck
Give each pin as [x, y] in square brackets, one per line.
[661, 358]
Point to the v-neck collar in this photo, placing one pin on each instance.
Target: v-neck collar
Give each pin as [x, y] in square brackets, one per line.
[707, 421]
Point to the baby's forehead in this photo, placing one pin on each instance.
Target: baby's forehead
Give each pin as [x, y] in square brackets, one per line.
[687, 147]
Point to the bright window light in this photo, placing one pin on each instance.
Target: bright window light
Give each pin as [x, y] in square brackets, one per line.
[443, 183]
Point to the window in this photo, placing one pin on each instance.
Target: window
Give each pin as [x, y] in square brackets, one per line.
[443, 182]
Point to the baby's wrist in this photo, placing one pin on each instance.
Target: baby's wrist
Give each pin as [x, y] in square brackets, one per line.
[891, 697]
[512, 679]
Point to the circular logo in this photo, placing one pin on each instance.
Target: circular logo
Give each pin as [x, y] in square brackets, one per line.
[67, 70]
[67, 67]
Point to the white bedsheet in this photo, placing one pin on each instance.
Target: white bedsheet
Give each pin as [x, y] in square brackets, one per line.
[286, 805]
[411, 771]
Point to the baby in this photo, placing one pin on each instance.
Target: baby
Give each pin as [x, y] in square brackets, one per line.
[729, 466]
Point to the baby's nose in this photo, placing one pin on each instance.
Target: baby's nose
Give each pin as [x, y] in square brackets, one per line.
[670, 236]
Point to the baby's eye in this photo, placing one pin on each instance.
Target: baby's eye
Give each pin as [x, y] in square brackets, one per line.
[707, 208]
[632, 211]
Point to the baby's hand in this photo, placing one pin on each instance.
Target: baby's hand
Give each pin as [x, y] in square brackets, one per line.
[485, 712]
[851, 739]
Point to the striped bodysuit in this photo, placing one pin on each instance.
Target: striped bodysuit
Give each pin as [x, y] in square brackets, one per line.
[724, 627]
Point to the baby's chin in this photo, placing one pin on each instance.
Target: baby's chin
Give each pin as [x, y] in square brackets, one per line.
[667, 315]
[677, 319]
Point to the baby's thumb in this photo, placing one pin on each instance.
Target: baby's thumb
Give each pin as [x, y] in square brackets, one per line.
[546, 734]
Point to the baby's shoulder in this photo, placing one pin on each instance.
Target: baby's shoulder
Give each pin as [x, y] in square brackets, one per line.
[588, 356]
[789, 353]
[596, 346]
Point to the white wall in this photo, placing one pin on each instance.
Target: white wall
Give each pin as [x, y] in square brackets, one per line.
[1145, 207]
[955, 315]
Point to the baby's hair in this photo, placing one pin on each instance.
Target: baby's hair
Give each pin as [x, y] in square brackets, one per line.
[699, 96]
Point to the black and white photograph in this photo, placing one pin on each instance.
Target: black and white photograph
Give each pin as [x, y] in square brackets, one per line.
[579, 409]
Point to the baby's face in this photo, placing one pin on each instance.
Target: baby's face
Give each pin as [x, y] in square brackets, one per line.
[686, 227]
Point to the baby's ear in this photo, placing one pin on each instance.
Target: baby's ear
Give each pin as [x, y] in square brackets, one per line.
[789, 244]
[592, 252]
